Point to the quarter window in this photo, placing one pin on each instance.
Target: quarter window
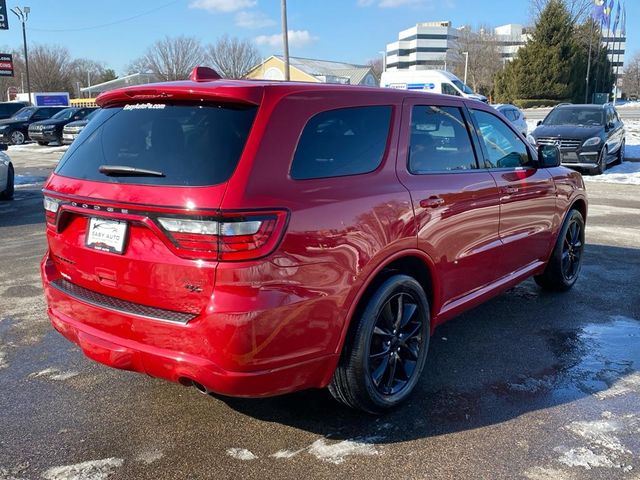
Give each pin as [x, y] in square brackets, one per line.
[448, 89]
[503, 147]
[345, 141]
[440, 141]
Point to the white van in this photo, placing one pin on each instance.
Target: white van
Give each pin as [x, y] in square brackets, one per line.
[434, 81]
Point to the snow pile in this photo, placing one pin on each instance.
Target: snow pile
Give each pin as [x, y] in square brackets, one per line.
[627, 172]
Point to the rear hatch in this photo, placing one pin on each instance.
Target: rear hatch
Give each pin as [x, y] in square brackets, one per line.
[133, 206]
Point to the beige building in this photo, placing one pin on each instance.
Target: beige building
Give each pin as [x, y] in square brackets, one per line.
[311, 70]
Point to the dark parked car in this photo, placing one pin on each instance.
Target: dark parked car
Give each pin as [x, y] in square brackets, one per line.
[71, 130]
[7, 109]
[49, 131]
[590, 137]
[14, 130]
[251, 238]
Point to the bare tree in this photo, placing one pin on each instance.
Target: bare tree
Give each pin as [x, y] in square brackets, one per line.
[232, 57]
[85, 72]
[579, 9]
[485, 59]
[631, 83]
[171, 58]
[376, 67]
[50, 68]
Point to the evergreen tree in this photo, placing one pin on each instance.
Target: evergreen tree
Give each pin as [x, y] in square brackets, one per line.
[553, 64]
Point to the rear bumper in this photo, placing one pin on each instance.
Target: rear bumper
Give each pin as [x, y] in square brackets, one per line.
[174, 352]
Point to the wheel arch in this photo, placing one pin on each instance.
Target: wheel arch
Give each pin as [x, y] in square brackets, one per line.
[414, 263]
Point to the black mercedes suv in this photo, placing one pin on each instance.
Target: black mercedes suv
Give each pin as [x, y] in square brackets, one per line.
[590, 137]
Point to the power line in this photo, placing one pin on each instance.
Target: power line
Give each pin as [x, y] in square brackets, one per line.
[128, 19]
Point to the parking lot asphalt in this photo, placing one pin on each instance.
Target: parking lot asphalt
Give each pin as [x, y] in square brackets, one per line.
[530, 385]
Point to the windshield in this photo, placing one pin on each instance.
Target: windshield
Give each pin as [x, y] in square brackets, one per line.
[24, 113]
[191, 145]
[65, 114]
[462, 87]
[575, 116]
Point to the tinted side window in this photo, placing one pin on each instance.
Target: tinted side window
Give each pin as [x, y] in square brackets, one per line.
[515, 114]
[346, 141]
[440, 141]
[449, 90]
[502, 145]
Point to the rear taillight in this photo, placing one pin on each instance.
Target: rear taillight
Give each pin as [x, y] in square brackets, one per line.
[229, 237]
[51, 210]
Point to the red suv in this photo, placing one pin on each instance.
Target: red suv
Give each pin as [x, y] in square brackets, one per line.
[255, 238]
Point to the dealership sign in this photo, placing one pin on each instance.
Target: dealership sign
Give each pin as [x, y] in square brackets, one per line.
[6, 65]
[4, 17]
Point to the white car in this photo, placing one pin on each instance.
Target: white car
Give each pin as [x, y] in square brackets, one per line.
[515, 116]
[7, 176]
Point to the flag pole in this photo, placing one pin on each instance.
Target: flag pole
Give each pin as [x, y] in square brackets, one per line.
[604, 79]
[586, 91]
[623, 34]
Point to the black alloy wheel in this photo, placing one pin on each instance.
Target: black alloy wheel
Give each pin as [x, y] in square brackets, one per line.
[395, 344]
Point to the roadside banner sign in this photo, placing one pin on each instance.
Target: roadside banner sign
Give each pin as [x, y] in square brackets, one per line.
[6, 65]
[4, 16]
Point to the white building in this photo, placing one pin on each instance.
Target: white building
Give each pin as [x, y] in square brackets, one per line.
[425, 46]
[510, 39]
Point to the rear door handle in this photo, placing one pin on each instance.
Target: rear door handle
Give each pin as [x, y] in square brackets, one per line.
[510, 190]
[432, 202]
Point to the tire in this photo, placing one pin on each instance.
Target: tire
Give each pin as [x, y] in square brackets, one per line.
[620, 157]
[17, 137]
[602, 162]
[563, 268]
[42, 144]
[7, 194]
[379, 381]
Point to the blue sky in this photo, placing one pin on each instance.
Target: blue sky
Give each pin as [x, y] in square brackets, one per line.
[347, 30]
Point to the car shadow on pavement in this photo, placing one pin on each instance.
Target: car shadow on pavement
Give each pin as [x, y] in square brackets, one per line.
[523, 351]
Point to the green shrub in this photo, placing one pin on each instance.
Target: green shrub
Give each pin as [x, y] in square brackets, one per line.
[539, 103]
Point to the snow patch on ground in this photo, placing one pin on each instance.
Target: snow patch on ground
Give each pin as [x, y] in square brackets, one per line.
[3, 360]
[91, 470]
[583, 457]
[287, 453]
[54, 374]
[601, 433]
[241, 454]
[150, 457]
[622, 386]
[627, 172]
[337, 453]
[29, 179]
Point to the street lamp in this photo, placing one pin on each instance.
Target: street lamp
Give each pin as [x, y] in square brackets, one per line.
[23, 16]
[466, 65]
[384, 60]
[285, 38]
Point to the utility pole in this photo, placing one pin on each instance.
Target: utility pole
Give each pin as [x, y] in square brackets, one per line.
[285, 39]
[466, 65]
[23, 16]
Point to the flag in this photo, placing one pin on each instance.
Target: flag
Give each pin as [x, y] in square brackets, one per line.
[608, 10]
[597, 11]
[623, 31]
[616, 21]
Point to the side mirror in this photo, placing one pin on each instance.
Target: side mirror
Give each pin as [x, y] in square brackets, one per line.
[3, 147]
[549, 156]
[539, 123]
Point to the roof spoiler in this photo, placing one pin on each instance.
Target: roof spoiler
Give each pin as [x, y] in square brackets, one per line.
[204, 74]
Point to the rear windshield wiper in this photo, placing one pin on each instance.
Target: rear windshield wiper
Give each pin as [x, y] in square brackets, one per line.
[127, 171]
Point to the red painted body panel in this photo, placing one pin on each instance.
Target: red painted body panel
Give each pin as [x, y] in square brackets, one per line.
[277, 324]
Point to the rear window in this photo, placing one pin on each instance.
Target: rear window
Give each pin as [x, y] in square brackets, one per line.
[346, 141]
[192, 145]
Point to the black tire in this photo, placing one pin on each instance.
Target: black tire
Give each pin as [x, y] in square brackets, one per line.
[7, 194]
[564, 266]
[620, 157]
[379, 381]
[17, 137]
[42, 144]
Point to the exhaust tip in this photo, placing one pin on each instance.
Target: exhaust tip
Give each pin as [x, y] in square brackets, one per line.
[188, 382]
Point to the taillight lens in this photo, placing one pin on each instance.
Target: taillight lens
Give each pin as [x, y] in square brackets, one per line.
[230, 237]
[50, 210]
